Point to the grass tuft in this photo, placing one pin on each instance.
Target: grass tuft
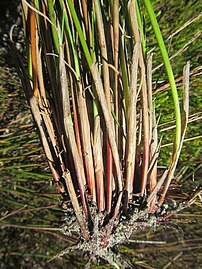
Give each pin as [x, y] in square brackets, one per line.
[89, 86]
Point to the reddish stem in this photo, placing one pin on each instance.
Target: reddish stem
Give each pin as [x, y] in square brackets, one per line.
[33, 50]
[109, 177]
[76, 126]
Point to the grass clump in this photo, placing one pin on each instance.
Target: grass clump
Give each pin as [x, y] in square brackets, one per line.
[89, 87]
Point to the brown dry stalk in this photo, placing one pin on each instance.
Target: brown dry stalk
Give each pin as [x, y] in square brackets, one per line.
[85, 134]
[35, 111]
[75, 203]
[153, 140]
[116, 60]
[145, 117]
[98, 164]
[195, 72]
[108, 122]
[69, 131]
[131, 124]
[72, 82]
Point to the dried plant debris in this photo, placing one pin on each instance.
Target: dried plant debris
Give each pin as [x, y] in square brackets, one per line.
[106, 233]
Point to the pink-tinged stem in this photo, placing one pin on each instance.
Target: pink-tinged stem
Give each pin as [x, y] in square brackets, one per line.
[109, 177]
[157, 187]
[81, 187]
[118, 204]
[76, 126]
[34, 50]
[98, 164]
[153, 178]
[100, 191]
[145, 166]
[153, 135]
[56, 178]
[90, 180]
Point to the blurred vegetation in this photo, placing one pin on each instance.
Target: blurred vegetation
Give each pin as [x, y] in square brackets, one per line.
[25, 179]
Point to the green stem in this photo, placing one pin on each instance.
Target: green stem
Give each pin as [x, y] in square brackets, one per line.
[72, 41]
[141, 28]
[169, 71]
[53, 19]
[80, 33]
